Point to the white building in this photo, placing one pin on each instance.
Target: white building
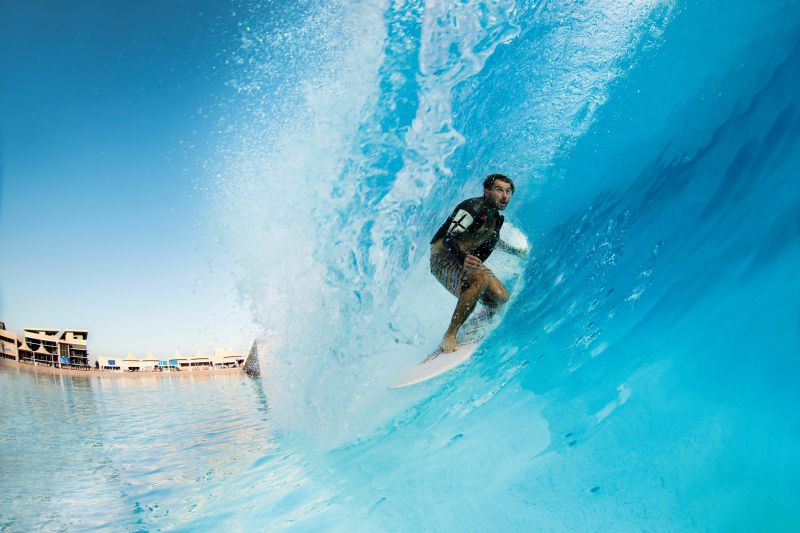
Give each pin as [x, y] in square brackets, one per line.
[222, 358]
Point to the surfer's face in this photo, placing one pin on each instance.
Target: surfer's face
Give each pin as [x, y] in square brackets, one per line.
[499, 195]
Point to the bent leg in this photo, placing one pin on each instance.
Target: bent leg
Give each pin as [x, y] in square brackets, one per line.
[496, 294]
[475, 286]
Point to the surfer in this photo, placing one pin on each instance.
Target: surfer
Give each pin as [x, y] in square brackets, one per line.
[462, 244]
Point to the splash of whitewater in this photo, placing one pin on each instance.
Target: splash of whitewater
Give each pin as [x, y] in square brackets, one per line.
[646, 355]
[332, 186]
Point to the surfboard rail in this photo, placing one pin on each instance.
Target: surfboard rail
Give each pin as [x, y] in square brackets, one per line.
[436, 366]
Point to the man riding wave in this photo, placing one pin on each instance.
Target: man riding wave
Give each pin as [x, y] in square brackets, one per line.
[462, 244]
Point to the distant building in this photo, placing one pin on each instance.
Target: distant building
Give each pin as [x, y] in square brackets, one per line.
[67, 349]
[108, 363]
[61, 348]
[222, 358]
[8, 343]
[226, 358]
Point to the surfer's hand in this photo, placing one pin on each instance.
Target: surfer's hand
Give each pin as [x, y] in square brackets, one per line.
[471, 262]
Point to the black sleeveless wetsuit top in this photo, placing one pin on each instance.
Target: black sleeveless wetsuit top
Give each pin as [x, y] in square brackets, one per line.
[468, 218]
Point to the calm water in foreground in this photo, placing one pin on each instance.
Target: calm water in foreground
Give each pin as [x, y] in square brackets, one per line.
[136, 454]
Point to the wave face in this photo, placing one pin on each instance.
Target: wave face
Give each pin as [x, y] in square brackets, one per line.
[645, 374]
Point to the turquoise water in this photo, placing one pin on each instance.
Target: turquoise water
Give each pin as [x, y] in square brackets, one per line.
[645, 376]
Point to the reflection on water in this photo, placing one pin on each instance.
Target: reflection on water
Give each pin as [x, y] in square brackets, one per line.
[84, 453]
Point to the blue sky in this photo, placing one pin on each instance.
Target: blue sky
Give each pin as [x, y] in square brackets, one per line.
[108, 111]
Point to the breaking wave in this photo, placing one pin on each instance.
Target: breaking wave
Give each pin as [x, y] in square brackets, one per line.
[644, 376]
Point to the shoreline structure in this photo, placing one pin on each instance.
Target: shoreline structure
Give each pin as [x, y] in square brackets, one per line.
[65, 352]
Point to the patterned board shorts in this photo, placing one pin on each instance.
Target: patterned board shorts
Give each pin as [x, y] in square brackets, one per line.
[449, 272]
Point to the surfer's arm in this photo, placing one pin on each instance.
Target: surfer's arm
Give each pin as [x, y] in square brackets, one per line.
[513, 250]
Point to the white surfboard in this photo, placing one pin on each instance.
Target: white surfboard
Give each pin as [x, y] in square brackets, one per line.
[436, 364]
[472, 333]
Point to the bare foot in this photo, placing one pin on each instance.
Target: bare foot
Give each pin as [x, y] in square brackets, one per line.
[449, 343]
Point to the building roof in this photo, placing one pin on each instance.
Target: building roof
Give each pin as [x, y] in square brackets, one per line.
[40, 336]
[46, 331]
[150, 357]
[57, 333]
[84, 334]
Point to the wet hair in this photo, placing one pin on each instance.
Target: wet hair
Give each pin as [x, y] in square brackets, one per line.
[491, 178]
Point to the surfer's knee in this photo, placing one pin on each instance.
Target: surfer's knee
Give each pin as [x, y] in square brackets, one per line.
[498, 291]
[480, 279]
[503, 295]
